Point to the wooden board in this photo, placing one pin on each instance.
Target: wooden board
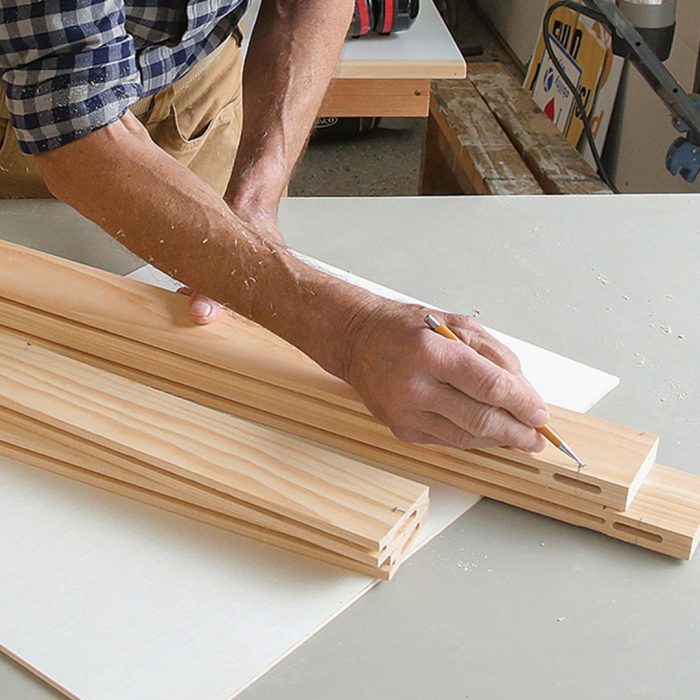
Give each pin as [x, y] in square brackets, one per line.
[290, 380]
[313, 418]
[357, 97]
[514, 490]
[198, 513]
[22, 433]
[261, 468]
[557, 166]
[472, 143]
[664, 517]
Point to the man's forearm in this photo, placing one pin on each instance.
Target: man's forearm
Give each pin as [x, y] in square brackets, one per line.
[427, 389]
[120, 179]
[292, 56]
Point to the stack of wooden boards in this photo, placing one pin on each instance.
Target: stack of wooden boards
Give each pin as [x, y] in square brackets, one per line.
[94, 426]
[234, 366]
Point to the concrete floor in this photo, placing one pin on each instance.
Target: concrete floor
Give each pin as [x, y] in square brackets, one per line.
[386, 161]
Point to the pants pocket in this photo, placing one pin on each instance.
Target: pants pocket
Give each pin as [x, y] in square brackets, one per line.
[191, 136]
[209, 151]
[20, 177]
[200, 118]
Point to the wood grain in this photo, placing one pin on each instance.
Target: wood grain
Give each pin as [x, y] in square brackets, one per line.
[472, 143]
[289, 392]
[32, 435]
[242, 361]
[665, 516]
[558, 167]
[194, 512]
[356, 97]
[316, 420]
[247, 462]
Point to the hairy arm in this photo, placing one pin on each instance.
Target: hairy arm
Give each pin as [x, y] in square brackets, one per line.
[120, 179]
[293, 52]
[426, 388]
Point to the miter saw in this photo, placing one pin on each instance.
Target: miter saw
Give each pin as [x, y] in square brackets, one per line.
[643, 33]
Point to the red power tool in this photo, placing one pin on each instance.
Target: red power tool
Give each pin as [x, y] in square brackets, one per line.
[382, 17]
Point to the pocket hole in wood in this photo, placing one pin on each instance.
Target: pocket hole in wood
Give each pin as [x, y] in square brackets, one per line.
[642, 534]
[575, 483]
[409, 540]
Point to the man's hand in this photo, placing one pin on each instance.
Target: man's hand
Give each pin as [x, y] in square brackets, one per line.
[429, 389]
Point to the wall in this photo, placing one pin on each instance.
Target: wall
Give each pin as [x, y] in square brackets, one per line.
[517, 21]
[646, 131]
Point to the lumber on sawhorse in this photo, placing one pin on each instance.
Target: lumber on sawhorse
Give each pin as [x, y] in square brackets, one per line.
[284, 389]
[466, 150]
[485, 135]
[556, 164]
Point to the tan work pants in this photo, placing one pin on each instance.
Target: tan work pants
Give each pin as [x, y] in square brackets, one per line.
[197, 120]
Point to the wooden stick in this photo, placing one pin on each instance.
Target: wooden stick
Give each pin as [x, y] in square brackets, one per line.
[617, 457]
[248, 462]
[26, 433]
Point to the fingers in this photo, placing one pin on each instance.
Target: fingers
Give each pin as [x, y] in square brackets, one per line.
[473, 334]
[202, 309]
[441, 431]
[488, 383]
[477, 424]
[431, 412]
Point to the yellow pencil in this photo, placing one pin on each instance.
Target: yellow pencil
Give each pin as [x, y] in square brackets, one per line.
[545, 430]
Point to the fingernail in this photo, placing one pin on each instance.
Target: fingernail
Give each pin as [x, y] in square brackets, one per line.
[540, 418]
[201, 307]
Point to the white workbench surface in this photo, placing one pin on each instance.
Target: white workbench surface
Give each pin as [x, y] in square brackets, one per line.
[507, 604]
[426, 50]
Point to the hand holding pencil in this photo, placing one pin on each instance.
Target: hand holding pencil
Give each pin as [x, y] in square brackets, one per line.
[545, 430]
[467, 395]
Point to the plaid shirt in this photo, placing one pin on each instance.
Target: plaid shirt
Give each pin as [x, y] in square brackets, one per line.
[70, 67]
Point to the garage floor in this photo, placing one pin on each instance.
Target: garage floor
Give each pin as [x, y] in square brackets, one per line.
[386, 161]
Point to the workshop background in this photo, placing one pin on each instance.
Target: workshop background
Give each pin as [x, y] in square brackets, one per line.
[386, 161]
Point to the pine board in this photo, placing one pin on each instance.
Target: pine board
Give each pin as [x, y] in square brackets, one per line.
[354, 433]
[248, 462]
[197, 513]
[664, 528]
[617, 458]
[100, 466]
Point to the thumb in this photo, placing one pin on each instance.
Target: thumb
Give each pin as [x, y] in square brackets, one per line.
[202, 309]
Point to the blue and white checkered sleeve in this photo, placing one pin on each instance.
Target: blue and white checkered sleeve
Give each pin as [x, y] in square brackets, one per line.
[68, 68]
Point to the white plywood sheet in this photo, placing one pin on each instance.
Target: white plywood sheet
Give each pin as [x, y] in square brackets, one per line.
[426, 50]
[109, 599]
